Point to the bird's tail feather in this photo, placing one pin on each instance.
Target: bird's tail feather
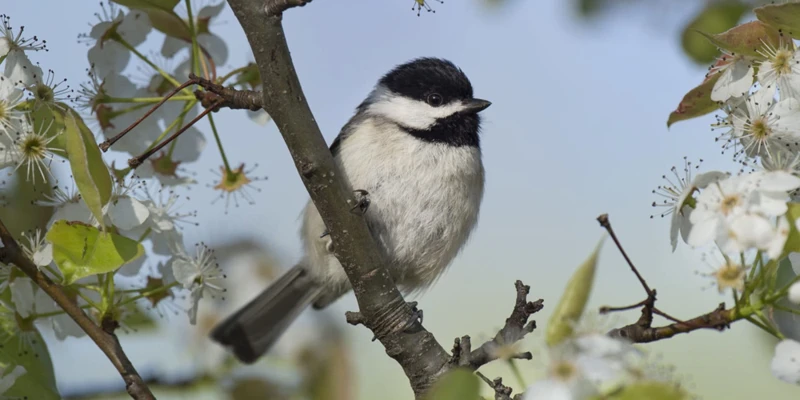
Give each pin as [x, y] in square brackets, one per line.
[251, 331]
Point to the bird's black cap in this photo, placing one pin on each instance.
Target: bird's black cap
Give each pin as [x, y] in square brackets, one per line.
[421, 77]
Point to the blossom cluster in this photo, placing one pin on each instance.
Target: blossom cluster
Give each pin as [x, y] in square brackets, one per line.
[749, 220]
[130, 256]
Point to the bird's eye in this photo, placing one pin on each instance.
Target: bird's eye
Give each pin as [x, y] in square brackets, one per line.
[435, 99]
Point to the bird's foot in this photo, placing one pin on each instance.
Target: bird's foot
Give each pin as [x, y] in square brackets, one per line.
[362, 202]
[416, 316]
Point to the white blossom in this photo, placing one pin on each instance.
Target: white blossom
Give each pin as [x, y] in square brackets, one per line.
[794, 293]
[260, 117]
[9, 41]
[580, 365]
[38, 249]
[212, 44]
[18, 68]
[786, 361]
[781, 69]
[736, 77]
[11, 117]
[677, 190]
[107, 56]
[738, 212]
[127, 213]
[767, 125]
[31, 149]
[199, 274]
[28, 298]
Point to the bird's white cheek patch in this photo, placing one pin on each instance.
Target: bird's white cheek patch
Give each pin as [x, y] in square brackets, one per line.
[414, 114]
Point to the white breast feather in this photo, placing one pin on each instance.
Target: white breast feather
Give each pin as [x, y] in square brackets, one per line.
[424, 202]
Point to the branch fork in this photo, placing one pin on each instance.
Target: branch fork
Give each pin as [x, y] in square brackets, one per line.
[515, 329]
[642, 331]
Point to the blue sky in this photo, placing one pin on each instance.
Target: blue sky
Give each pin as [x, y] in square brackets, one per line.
[577, 128]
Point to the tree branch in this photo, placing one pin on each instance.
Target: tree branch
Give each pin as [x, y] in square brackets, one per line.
[501, 392]
[230, 98]
[515, 329]
[384, 310]
[106, 340]
[642, 331]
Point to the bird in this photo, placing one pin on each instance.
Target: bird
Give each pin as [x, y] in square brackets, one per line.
[412, 151]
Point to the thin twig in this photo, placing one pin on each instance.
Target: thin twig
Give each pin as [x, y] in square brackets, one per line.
[642, 331]
[501, 392]
[514, 330]
[110, 142]
[607, 309]
[605, 223]
[106, 340]
[138, 160]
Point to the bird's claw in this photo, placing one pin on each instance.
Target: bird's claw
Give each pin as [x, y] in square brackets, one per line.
[415, 316]
[362, 202]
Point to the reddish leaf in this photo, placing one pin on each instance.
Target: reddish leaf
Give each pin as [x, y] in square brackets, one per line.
[695, 103]
[747, 38]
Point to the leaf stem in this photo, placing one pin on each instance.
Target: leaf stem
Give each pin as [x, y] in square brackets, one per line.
[148, 293]
[178, 121]
[144, 58]
[149, 100]
[219, 144]
[517, 372]
[230, 74]
[54, 313]
[144, 234]
[193, 34]
[763, 327]
[786, 309]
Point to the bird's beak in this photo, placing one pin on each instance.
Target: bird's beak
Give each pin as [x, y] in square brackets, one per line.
[475, 106]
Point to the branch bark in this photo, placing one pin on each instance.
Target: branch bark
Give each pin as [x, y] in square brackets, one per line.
[642, 332]
[106, 340]
[515, 329]
[385, 311]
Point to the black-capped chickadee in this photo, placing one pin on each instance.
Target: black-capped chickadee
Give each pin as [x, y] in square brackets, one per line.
[413, 146]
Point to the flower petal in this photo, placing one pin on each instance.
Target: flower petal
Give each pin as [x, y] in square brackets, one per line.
[786, 362]
[128, 213]
[735, 80]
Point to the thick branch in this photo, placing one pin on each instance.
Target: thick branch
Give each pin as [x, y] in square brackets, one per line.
[515, 329]
[384, 310]
[226, 97]
[106, 340]
[641, 331]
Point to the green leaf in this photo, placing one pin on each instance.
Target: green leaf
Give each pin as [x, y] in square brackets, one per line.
[650, 391]
[90, 172]
[717, 17]
[162, 16]
[458, 384]
[573, 301]
[747, 38]
[695, 103]
[39, 381]
[793, 241]
[784, 17]
[81, 250]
